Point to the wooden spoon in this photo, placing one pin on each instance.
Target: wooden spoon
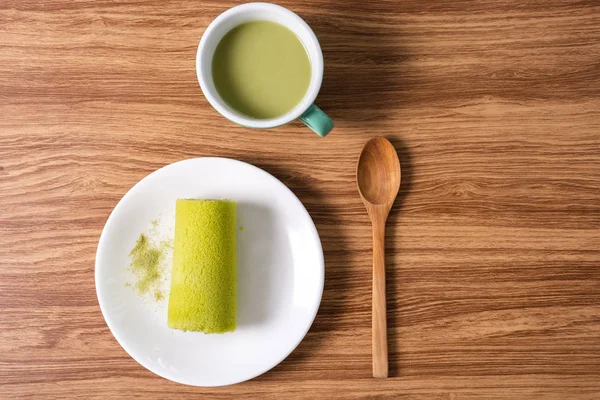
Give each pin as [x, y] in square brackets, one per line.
[378, 176]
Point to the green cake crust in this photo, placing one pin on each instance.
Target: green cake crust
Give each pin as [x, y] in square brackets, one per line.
[203, 295]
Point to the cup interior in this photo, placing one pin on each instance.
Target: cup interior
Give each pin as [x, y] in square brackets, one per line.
[252, 12]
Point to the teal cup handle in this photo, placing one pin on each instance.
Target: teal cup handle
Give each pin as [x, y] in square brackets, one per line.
[317, 120]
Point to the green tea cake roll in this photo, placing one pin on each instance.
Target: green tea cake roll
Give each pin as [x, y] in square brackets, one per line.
[204, 283]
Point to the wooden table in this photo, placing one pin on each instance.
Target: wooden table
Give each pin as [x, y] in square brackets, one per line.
[494, 243]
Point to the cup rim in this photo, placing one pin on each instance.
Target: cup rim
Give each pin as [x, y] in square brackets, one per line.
[228, 112]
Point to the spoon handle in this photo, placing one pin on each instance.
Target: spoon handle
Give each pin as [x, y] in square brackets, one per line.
[379, 313]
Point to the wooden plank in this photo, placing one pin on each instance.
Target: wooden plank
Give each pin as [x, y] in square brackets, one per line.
[493, 246]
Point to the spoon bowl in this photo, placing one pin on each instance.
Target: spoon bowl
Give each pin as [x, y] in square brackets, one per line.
[378, 173]
[378, 176]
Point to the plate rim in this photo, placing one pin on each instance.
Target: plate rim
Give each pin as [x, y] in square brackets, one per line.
[111, 220]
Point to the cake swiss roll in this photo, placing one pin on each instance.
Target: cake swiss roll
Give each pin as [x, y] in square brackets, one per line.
[204, 283]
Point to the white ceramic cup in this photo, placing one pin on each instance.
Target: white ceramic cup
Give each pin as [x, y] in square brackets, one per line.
[306, 110]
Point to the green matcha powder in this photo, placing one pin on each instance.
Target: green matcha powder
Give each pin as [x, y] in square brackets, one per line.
[145, 264]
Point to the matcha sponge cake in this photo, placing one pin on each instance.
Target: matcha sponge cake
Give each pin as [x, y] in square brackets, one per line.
[203, 283]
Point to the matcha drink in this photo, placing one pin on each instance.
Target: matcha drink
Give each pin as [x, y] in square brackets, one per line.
[261, 69]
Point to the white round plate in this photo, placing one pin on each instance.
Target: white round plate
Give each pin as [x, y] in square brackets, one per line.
[280, 274]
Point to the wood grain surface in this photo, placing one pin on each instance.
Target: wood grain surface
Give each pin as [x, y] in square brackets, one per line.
[493, 245]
